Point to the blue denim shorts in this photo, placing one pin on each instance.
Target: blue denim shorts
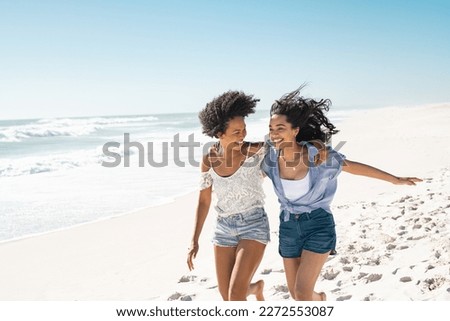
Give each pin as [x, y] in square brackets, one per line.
[313, 231]
[250, 225]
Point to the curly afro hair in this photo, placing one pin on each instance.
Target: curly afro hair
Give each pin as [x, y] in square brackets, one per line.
[307, 114]
[215, 116]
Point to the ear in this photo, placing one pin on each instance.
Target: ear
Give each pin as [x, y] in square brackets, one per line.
[296, 130]
[219, 134]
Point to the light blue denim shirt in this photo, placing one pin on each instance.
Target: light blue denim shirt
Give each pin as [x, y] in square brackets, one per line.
[322, 186]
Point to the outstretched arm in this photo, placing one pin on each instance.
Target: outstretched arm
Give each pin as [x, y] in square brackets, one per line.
[369, 171]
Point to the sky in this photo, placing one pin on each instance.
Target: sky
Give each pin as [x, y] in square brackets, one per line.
[111, 57]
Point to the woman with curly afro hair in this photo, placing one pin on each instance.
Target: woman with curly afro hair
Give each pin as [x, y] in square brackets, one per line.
[305, 181]
[232, 169]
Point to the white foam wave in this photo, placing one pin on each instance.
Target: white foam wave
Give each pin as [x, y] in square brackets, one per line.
[97, 120]
[73, 127]
[68, 160]
[42, 164]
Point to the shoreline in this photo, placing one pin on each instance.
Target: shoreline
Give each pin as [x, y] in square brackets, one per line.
[98, 220]
[141, 254]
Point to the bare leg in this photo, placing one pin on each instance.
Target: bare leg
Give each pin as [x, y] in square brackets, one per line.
[225, 258]
[310, 266]
[249, 254]
[292, 267]
[290, 270]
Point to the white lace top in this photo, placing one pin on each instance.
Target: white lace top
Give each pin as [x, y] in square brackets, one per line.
[241, 191]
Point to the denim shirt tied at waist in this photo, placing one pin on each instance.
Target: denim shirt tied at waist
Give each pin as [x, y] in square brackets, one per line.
[322, 186]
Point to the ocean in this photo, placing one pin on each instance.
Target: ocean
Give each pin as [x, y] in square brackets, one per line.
[61, 172]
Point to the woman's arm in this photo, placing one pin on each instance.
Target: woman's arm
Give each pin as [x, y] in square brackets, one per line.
[369, 171]
[204, 202]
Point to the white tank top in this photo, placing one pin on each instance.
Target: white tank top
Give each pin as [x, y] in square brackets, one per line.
[294, 189]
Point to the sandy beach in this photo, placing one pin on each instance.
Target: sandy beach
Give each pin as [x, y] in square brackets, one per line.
[393, 241]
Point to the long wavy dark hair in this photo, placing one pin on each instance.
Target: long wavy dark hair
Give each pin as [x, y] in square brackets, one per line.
[307, 114]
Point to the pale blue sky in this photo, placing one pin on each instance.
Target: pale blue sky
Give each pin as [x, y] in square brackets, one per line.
[82, 58]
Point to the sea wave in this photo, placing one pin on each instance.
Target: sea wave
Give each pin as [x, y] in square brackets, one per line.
[73, 127]
[10, 167]
[97, 120]
[50, 163]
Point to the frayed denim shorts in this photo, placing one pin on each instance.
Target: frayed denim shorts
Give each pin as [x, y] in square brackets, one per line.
[250, 225]
[313, 231]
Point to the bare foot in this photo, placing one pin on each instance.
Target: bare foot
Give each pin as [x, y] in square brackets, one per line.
[321, 296]
[257, 290]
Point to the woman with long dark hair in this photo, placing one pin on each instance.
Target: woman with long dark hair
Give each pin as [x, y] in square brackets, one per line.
[304, 175]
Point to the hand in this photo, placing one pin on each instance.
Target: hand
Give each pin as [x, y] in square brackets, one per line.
[192, 253]
[407, 181]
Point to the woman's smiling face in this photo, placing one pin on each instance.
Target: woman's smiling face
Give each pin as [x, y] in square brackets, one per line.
[235, 132]
[281, 132]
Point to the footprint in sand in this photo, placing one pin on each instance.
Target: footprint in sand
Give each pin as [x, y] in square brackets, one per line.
[281, 288]
[366, 248]
[266, 271]
[373, 261]
[434, 283]
[412, 238]
[330, 275]
[391, 246]
[373, 278]
[405, 279]
[430, 226]
[187, 278]
[179, 296]
[429, 267]
[403, 199]
[370, 297]
[175, 296]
